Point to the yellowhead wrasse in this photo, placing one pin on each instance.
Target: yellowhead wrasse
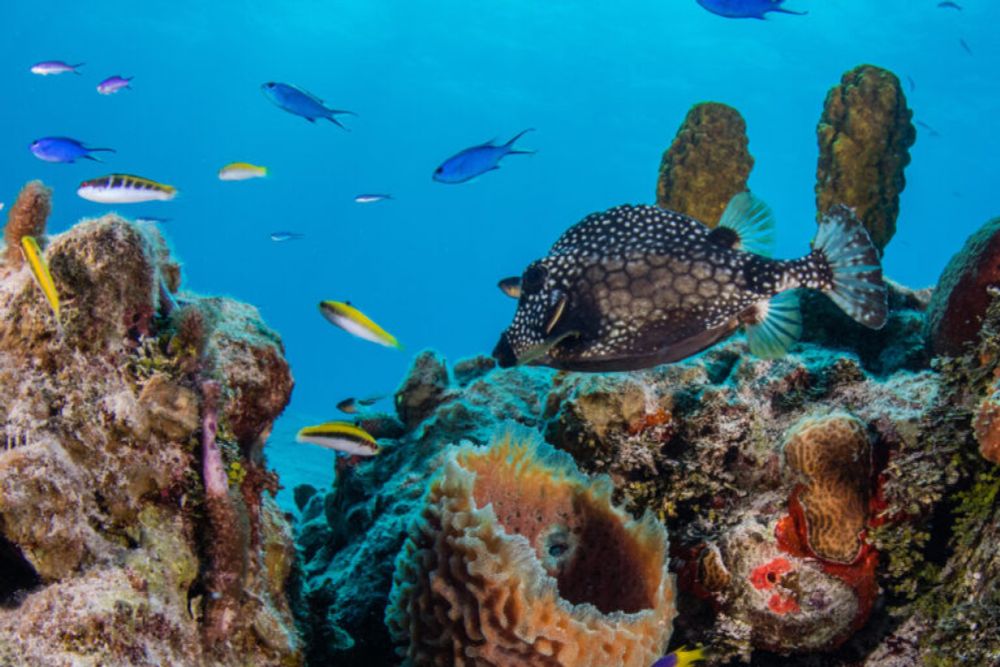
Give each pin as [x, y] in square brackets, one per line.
[241, 171]
[125, 189]
[40, 271]
[340, 436]
[353, 321]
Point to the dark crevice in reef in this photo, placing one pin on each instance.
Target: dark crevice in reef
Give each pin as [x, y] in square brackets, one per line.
[17, 576]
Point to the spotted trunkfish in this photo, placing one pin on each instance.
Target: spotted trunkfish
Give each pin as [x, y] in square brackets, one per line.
[638, 286]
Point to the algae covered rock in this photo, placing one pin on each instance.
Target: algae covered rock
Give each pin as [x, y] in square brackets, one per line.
[864, 138]
[707, 163]
[102, 505]
[964, 292]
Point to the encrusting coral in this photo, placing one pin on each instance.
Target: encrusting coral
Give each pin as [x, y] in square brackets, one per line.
[517, 559]
[864, 139]
[103, 513]
[707, 163]
[27, 217]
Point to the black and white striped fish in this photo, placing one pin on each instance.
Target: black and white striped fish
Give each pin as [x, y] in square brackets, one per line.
[125, 189]
[637, 286]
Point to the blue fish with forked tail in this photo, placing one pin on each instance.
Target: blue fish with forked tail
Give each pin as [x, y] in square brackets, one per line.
[745, 9]
[476, 161]
[297, 101]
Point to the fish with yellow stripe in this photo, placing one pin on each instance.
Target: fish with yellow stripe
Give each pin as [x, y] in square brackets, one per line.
[40, 271]
[353, 321]
[340, 436]
[241, 171]
[125, 189]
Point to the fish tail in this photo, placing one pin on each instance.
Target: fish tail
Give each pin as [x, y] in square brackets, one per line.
[510, 144]
[781, 10]
[333, 119]
[846, 267]
[75, 67]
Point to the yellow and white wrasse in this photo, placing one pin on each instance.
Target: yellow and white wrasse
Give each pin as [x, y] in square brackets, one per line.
[125, 189]
[354, 322]
[340, 436]
[241, 171]
[40, 271]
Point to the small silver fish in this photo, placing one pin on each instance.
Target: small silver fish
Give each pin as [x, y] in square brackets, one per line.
[279, 237]
[638, 286]
[371, 198]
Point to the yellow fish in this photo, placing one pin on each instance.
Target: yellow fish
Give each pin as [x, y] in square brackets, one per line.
[353, 321]
[32, 253]
[340, 436]
[241, 171]
[681, 658]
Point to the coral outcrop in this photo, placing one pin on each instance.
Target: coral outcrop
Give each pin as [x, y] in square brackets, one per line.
[865, 135]
[707, 163]
[964, 292]
[102, 504]
[517, 559]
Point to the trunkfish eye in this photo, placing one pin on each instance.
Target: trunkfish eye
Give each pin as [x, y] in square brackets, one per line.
[533, 279]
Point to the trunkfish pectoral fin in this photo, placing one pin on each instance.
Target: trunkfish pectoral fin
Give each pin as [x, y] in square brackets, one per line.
[774, 325]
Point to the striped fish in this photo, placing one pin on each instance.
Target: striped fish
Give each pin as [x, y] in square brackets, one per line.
[40, 271]
[353, 321]
[340, 436]
[125, 189]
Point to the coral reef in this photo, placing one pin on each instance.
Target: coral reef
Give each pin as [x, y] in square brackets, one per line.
[707, 163]
[27, 217]
[964, 292]
[864, 138]
[518, 559]
[103, 513]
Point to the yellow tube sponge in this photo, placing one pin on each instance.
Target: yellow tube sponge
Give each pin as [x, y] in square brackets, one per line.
[517, 559]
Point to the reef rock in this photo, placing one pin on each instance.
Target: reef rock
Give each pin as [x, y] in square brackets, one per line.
[864, 138]
[102, 505]
[964, 292]
[707, 163]
[517, 554]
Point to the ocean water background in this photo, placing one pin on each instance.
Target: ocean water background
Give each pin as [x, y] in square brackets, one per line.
[605, 84]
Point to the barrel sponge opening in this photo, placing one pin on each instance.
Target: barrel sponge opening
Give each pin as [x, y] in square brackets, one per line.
[518, 559]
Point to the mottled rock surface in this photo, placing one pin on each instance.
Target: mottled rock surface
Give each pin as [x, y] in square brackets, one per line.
[102, 515]
[865, 135]
[707, 163]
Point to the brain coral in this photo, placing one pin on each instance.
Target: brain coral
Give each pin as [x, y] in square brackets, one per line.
[831, 456]
[518, 559]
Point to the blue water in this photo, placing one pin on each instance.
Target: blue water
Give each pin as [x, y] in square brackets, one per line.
[606, 84]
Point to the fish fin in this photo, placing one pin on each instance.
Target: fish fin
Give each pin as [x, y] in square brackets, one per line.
[311, 120]
[74, 67]
[105, 150]
[511, 287]
[773, 325]
[557, 312]
[337, 123]
[752, 221]
[788, 11]
[342, 112]
[517, 136]
[91, 157]
[513, 152]
[844, 249]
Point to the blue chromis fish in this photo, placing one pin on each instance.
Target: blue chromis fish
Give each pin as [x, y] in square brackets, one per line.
[638, 286]
[40, 271]
[125, 189]
[948, 4]
[48, 67]
[353, 321]
[279, 237]
[746, 9]
[64, 149]
[113, 84]
[371, 198]
[681, 658]
[241, 171]
[340, 436]
[297, 101]
[476, 161]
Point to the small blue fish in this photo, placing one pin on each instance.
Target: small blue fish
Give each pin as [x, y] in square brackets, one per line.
[745, 9]
[296, 101]
[949, 5]
[476, 161]
[278, 237]
[63, 149]
[54, 67]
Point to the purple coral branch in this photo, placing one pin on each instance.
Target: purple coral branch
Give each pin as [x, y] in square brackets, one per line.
[213, 471]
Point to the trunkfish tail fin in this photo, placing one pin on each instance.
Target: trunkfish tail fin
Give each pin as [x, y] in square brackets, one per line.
[773, 326]
[844, 251]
